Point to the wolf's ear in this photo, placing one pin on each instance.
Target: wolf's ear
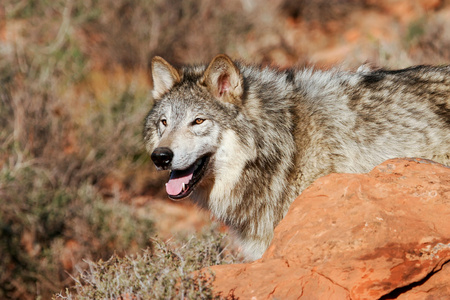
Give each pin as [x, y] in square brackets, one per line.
[164, 77]
[224, 80]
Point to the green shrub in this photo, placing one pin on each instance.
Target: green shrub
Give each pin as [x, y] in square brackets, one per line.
[37, 220]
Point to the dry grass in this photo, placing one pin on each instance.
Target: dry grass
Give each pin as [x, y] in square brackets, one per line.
[165, 272]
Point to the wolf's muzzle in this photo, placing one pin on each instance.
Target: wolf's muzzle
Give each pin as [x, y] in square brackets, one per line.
[162, 157]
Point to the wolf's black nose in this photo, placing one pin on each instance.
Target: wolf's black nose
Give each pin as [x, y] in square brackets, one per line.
[162, 157]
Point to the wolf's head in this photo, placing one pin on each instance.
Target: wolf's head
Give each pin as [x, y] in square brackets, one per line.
[187, 127]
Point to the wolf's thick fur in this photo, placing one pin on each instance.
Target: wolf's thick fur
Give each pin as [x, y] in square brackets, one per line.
[250, 140]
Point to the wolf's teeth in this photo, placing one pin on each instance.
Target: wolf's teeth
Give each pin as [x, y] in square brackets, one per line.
[183, 188]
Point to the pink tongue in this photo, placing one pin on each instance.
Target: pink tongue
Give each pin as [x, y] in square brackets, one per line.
[177, 178]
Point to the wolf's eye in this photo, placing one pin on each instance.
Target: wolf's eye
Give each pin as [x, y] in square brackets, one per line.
[164, 122]
[198, 121]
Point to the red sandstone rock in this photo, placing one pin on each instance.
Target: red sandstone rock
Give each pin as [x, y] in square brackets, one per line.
[385, 234]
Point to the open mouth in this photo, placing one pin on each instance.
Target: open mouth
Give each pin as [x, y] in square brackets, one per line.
[182, 182]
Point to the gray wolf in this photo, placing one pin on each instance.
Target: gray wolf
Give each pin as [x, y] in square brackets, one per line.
[244, 141]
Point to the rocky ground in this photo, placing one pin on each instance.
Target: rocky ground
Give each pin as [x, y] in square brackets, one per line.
[381, 235]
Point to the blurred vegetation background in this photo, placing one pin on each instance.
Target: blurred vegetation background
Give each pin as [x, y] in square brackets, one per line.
[75, 182]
